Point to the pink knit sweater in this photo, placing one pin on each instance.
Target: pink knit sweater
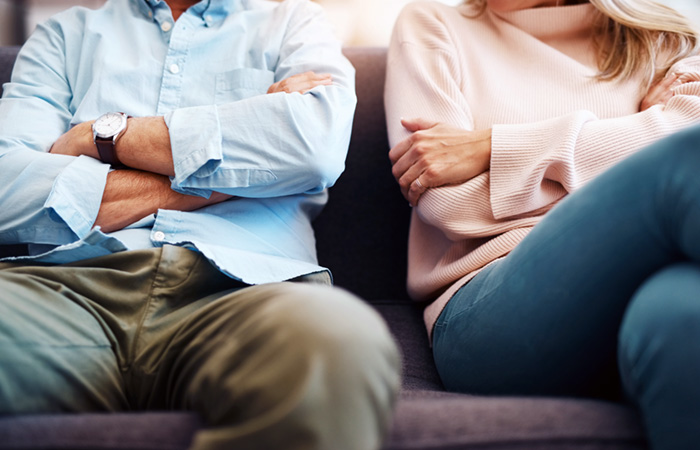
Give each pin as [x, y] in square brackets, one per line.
[528, 75]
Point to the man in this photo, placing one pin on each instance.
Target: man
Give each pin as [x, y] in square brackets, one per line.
[163, 159]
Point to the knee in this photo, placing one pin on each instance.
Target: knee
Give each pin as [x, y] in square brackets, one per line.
[304, 360]
[661, 328]
[332, 323]
[666, 305]
[304, 325]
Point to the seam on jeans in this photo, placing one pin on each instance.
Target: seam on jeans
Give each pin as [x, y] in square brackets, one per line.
[480, 298]
[476, 302]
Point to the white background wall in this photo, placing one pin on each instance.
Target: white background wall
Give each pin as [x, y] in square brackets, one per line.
[357, 22]
[40, 10]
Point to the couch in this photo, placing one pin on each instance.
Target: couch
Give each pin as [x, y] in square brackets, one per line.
[362, 237]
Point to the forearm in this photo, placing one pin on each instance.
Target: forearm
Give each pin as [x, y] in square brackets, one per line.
[145, 145]
[130, 195]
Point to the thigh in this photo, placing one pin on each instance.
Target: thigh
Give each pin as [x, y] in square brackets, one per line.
[54, 353]
[545, 319]
[282, 365]
[71, 330]
[243, 333]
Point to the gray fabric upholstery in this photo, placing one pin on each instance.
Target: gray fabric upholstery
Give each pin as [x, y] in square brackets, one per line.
[362, 237]
[437, 420]
[143, 431]
[362, 232]
[7, 58]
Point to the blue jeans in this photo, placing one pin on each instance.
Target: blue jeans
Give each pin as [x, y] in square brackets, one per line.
[609, 278]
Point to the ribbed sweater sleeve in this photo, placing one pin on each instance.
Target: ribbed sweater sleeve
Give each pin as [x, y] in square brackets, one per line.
[535, 164]
[423, 75]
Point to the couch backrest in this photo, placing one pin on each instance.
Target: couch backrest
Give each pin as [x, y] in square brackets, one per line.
[7, 60]
[362, 233]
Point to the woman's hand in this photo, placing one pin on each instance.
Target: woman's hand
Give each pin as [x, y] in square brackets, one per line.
[662, 91]
[436, 155]
[301, 83]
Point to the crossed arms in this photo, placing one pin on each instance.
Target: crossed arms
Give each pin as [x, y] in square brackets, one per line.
[145, 147]
[182, 156]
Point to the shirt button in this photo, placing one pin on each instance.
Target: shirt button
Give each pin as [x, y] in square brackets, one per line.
[158, 235]
[174, 68]
[166, 26]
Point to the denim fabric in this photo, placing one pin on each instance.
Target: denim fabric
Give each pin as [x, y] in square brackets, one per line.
[610, 277]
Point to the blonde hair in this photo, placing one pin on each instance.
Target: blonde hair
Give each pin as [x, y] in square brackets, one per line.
[637, 36]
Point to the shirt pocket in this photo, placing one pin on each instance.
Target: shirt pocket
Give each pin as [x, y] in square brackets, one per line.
[242, 83]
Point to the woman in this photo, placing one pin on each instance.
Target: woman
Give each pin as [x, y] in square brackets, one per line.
[498, 110]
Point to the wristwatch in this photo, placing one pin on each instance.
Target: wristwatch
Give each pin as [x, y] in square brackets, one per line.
[106, 130]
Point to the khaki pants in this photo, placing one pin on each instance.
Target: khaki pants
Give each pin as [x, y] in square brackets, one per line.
[275, 366]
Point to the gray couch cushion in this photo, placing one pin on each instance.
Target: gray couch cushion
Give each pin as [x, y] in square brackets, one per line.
[143, 431]
[431, 420]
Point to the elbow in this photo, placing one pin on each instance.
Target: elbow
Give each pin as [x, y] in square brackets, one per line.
[326, 156]
[324, 145]
[325, 167]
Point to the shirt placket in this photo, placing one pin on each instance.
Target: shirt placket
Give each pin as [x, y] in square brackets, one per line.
[177, 36]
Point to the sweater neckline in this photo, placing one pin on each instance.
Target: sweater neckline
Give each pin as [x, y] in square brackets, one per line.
[552, 22]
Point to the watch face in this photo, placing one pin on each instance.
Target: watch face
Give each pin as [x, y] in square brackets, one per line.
[108, 125]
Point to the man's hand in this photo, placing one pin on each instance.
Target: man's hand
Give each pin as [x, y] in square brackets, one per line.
[436, 155]
[301, 83]
[76, 141]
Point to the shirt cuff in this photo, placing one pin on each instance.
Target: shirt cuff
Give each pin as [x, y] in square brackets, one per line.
[195, 139]
[76, 194]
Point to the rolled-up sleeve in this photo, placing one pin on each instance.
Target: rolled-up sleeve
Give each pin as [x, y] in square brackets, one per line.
[274, 144]
[44, 198]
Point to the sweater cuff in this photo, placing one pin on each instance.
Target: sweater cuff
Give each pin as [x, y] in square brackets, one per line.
[529, 163]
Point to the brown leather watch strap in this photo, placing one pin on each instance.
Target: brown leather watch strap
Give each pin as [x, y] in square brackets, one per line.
[107, 151]
[105, 148]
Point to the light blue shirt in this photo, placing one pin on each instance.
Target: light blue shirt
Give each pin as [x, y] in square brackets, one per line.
[207, 74]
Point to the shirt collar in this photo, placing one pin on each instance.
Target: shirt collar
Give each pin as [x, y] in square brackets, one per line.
[214, 9]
